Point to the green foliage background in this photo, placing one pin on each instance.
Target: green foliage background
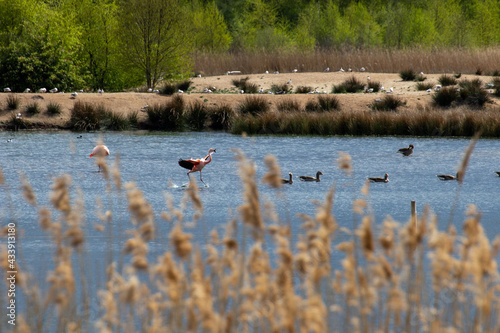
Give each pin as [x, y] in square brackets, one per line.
[119, 44]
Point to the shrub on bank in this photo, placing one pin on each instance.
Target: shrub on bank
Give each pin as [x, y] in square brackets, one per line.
[387, 103]
[446, 80]
[54, 109]
[247, 87]
[303, 90]
[280, 88]
[324, 103]
[86, 116]
[12, 102]
[32, 108]
[288, 105]
[197, 116]
[445, 96]
[167, 117]
[351, 85]
[407, 75]
[222, 117]
[473, 93]
[254, 105]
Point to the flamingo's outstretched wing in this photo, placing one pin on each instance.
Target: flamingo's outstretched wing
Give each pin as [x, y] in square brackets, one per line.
[188, 164]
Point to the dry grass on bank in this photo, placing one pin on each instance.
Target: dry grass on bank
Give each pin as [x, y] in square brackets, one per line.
[409, 277]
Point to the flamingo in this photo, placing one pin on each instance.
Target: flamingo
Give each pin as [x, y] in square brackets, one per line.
[406, 151]
[197, 165]
[311, 178]
[287, 181]
[99, 151]
[385, 179]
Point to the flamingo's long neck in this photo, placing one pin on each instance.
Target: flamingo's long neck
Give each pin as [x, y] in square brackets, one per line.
[208, 158]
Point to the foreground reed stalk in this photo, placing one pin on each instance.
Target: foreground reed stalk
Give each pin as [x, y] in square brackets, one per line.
[409, 277]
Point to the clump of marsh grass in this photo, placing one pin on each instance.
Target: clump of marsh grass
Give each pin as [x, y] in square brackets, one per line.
[221, 117]
[168, 116]
[446, 80]
[375, 86]
[445, 96]
[13, 102]
[288, 105]
[54, 109]
[247, 87]
[351, 85]
[421, 86]
[254, 105]
[170, 88]
[407, 75]
[387, 103]
[32, 108]
[114, 121]
[133, 118]
[280, 88]
[16, 122]
[303, 90]
[86, 116]
[473, 93]
[197, 116]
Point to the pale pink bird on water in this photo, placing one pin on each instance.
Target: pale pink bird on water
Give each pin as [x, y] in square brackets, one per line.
[99, 151]
[194, 165]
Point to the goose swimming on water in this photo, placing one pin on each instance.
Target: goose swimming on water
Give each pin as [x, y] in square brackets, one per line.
[406, 151]
[447, 177]
[311, 178]
[384, 179]
[287, 181]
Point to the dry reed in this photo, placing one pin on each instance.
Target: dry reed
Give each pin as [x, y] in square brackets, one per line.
[399, 277]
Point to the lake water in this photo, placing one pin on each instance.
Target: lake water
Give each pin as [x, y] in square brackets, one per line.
[150, 160]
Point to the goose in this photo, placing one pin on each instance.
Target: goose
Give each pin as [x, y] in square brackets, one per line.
[287, 181]
[447, 177]
[385, 179]
[311, 178]
[406, 151]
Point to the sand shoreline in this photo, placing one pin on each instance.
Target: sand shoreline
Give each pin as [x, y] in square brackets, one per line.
[226, 93]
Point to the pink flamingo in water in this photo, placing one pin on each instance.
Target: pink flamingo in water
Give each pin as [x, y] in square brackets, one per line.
[99, 151]
[194, 165]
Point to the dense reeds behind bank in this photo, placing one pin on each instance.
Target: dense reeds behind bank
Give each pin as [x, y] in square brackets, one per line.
[449, 60]
[252, 277]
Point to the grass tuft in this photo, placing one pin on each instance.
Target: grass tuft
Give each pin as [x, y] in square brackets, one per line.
[222, 117]
[351, 85]
[85, 117]
[247, 87]
[421, 86]
[473, 93]
[446, 80]
[32, 108]
[54, 109]
[445, 96]
[388, 103]
[254, 105]
[407, 75]
[288, 105]
[280, 88]
[167, 117]
[197, 116]
[13, 102]
[303, 90]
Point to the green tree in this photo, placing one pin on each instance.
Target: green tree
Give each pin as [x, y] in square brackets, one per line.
[154, 39]
[210, 30]
[97, 22]
[39, 50]
[486, 17]
[363, 30]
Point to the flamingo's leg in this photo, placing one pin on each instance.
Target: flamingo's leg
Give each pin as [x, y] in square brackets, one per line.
[202, 179]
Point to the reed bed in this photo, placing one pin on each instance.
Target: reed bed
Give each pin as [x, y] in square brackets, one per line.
[448, 60]
[410, 277]
[429, 122]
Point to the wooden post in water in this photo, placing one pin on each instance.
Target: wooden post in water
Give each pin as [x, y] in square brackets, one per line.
[413, 212]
